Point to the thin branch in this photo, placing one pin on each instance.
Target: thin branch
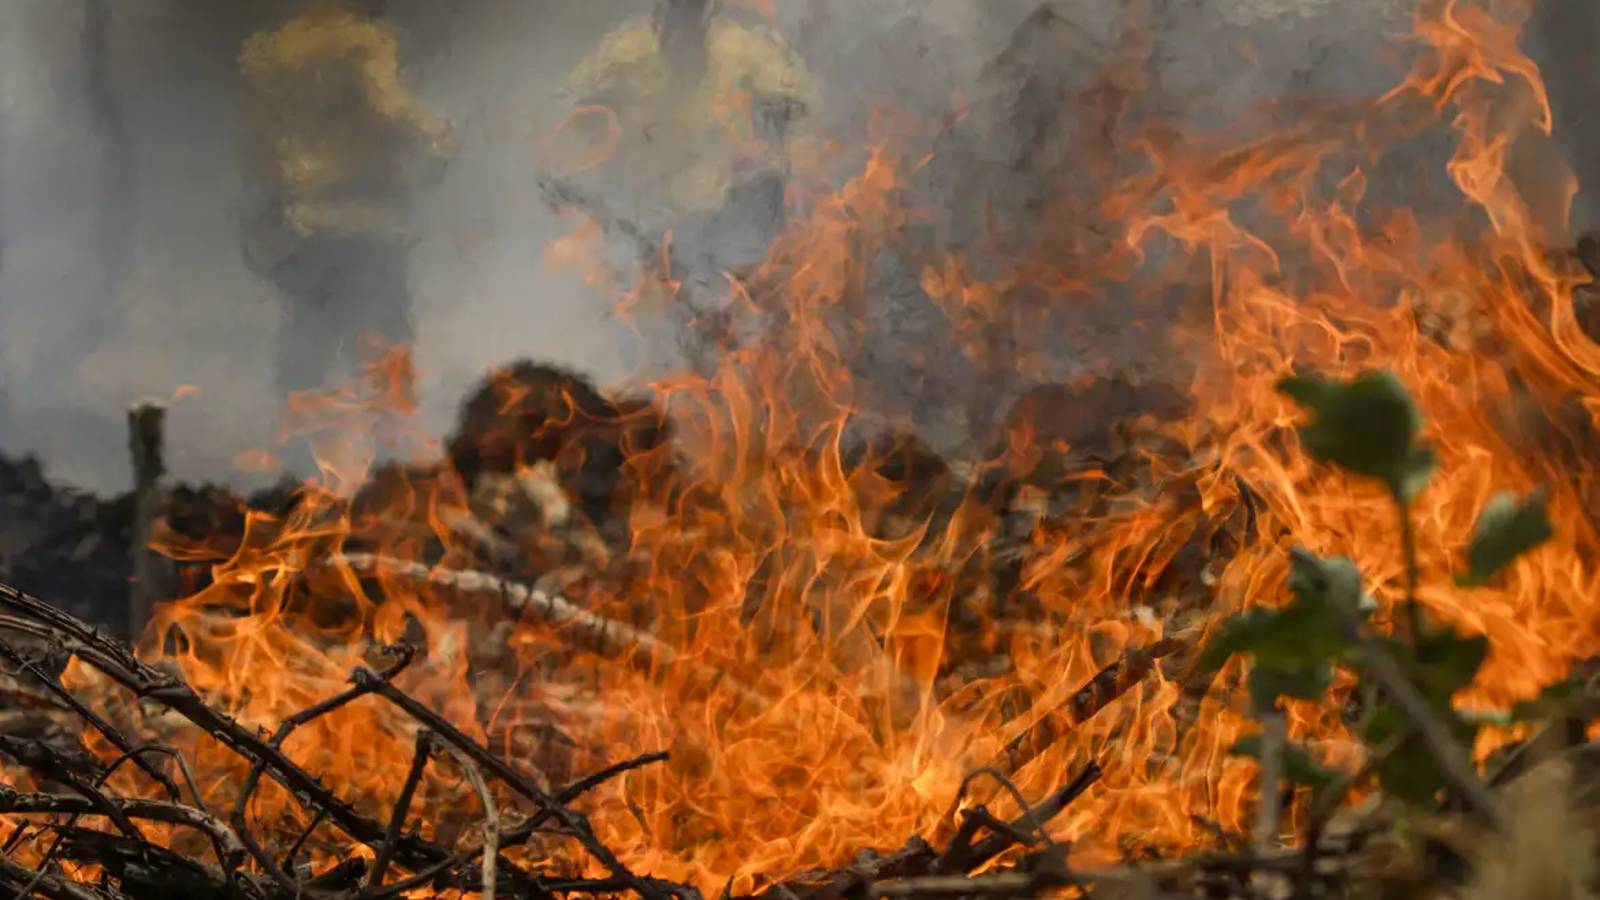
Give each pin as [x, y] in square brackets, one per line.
[30, 802]
[516, 835]
[1453, 762]
[1269, 809]
[106, 729]
[299, 842]
[592, 631]
[23, 881]
[311, 713]
[575, 823]
[115, 660]
[402, 807]
[1036, 818]
[1107, 685]
[491, 820]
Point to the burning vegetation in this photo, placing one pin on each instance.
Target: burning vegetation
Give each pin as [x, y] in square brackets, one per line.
[1266, 569]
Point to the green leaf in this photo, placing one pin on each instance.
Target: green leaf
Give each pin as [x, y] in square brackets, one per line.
[1447, 661]
[1553, 702]
[1411, 773]
[1306, 681]
[1506, 529]
[1298, 766]
[1295, 647]
[1367, 426]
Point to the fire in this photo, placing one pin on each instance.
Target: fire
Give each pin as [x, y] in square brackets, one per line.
[813, 665]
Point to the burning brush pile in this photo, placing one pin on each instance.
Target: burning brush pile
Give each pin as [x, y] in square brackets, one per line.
[1303, 608]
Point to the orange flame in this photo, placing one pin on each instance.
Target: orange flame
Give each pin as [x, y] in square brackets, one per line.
[848, 702]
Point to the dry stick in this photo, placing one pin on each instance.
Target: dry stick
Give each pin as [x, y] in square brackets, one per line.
[117, 662]
[310, 713]
[917, 858]
[106, 729]
[24, 802]
[1189, 869]
[1107, 685]
[595, 632]
[955, 855]
[576, 823]
[1269, 811]
[102, 805]
[24, 882]
[183, 768]
[53, 765]
[267, 863]
[105, 776]
[402, 807]
[521, 832]
[1036, 818]
[299, 842]
[912, 859]
[1002, 884]
[1327, 801]
[491, 820]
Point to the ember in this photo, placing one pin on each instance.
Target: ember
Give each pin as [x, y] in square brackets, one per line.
[1262, 565]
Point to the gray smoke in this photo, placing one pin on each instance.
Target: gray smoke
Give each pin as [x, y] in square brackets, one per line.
[121, 193]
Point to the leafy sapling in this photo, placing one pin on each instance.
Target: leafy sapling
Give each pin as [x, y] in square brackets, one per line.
[1370, 427]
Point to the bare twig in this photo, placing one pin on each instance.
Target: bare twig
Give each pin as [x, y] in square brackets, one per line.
[219, 847]
[1269, 809]
[956, 854]
[33, 616]
[264, 858]
[589, 782]
[107, 730]
[28, 802]
[1002, 884]
[1034, 820]
[594, 632]
[299, 842]
[1107, 685]
[574, 822]
[22, 882]
[491, 820]
[402, 808]
[519, 834]
[1452, 759]
[311, 713]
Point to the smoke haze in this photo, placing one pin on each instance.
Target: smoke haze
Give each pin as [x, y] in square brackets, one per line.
[122, 192]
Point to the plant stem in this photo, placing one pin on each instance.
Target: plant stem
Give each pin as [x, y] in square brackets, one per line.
[1408, 544]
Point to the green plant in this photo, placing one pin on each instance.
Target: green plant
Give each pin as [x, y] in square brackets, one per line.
[1370, 427]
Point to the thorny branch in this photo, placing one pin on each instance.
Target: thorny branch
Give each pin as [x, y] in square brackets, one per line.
[144, 869]
[138, 858]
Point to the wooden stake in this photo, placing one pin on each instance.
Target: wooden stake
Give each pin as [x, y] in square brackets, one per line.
[145, 421]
